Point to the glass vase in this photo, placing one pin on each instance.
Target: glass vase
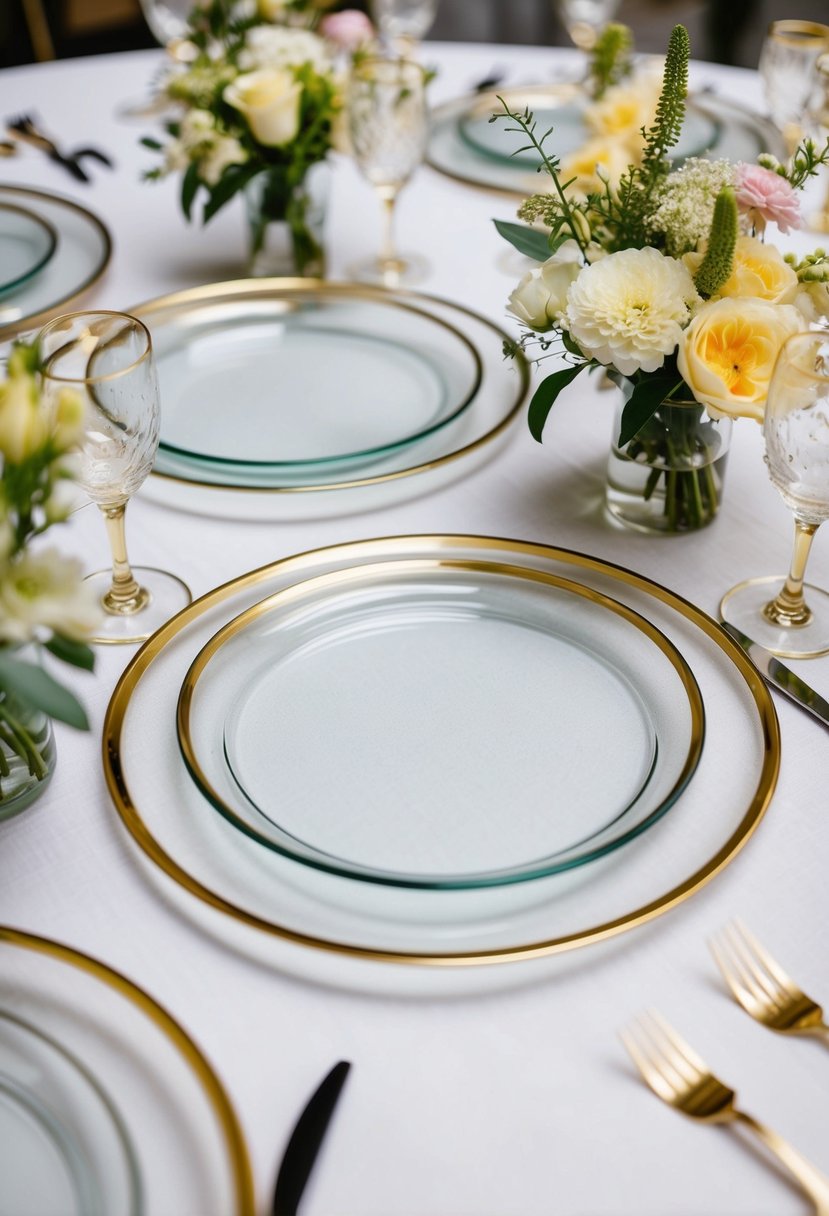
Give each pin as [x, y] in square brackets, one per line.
[669, 477]
[286, 224]
[27, 755]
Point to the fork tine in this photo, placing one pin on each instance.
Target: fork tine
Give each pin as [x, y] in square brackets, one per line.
[650, 1072]
[685, 1058]
[767, 987]
[771, 965]
[734, 973]
[751, 988]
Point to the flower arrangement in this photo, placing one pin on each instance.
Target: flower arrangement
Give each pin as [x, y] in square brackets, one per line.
[258, 100]
[663, 279]
[43, 599]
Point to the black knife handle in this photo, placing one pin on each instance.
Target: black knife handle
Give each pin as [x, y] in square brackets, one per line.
[305, 1141]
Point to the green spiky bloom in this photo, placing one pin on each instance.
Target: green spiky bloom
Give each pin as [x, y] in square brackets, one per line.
[610, 60]
[718, 262]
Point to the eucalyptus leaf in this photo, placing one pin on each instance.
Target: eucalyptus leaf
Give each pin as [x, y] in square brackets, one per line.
[545, 396]
[36, 687]
[529, 241]
[70, 651]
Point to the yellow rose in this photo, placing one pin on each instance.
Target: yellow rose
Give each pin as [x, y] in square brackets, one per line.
[759, 273]
[611, 154]
[726, 355]
[23, 424]
[625, 108]
[269, 100]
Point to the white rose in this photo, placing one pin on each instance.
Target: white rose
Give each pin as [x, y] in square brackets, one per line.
[269, 100]
[541, 296]
[23, 424]
[223, 152]
[46, 591]
[812, 300]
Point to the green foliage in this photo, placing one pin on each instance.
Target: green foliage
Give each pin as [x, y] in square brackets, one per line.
[610, 59]
[718, 263]
[545, 396]
[529, 241]
[37, 688]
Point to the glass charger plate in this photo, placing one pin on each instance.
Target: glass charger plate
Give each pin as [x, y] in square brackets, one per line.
[440, 767]
[735, 133]
[352, 926]
[83, 250]
[455, 448]
[27, 242]
[63, 1144]
[187, 1150]
[304, 381]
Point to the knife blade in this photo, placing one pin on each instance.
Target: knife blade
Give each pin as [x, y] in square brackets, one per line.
[781, 677]
[305, 1140]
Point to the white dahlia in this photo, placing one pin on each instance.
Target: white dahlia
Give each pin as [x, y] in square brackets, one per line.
[629, 309]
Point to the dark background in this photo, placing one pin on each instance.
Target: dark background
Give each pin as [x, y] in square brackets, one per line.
[723, 31]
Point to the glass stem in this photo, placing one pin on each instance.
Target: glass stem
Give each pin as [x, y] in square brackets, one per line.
[388, 257]
[789, 608]
[124, 596]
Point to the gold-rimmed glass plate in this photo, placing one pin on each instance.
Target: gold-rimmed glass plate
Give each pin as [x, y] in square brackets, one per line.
[27, 242]
[117, 1076]
[457, 445]
[465, 146]
[347, 922]
[81, 255]
[433, 724]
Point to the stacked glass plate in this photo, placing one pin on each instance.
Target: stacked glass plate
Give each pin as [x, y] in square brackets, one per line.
[51, 251]
[465, 145]
[107, 1108]
[285, 398]
[446, 750]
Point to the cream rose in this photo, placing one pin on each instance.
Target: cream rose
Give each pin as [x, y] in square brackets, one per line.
[727, 354]
[269, 101]
[541, 296]
[24, 426]
[609, 154]
[760, 273]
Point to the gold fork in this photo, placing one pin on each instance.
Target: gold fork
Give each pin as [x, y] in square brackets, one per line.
[679, 1077]
[762, 987]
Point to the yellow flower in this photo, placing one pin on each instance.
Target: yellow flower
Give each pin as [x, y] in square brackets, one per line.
[625, 108]
[759, 272]
[726, 355]
[23, 424]
[269, 100]
[610, 154]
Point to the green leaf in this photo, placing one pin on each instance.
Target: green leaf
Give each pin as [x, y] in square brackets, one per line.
[231, 182]
[37, 688]
[645, 400]
[70, 651]
[545, 395]
[189, 187]
[529, 241]
[153, 144]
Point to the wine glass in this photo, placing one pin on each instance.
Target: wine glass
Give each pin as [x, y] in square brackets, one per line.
[787, 68]
[796, 432]
[583, 19]
[403, 23]
[388, 127]
[107, 357]
[167, 19]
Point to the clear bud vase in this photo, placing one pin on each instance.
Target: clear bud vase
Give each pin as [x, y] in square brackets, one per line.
[27, 755]
[286, 225]
[669, 477]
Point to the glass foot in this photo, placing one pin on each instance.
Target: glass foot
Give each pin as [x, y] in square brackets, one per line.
[403, 271]
[743, 606]
[167, 595]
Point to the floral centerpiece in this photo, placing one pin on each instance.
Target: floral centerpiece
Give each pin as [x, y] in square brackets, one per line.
[257, 99]
[43, 599]
[662, 279]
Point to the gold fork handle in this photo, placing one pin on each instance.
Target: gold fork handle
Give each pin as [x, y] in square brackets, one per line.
[811, 1180]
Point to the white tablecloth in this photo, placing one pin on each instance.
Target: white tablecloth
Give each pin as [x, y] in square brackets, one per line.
[513, 1101]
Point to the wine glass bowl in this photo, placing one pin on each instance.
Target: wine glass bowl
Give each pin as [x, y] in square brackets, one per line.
[584, 19]
[388, 129]
[794, 622]
[403, 23]
[107, 358]
[788, 71]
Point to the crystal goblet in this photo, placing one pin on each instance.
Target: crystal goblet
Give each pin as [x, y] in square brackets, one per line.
[107, 357]
[402, 24]
[792, 619]
[787, 68]
[388, 127]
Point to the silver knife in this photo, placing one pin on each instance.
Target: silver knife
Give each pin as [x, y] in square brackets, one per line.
[781, 677]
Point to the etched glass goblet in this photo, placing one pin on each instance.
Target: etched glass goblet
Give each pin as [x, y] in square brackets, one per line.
[787, 616]
[787, 68]
[107, 357]
[403, 23]
[388, 127]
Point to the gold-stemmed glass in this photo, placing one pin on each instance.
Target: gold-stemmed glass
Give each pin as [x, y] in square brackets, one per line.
[787, 68]
[584, 19]
[107, 357]
[796, 432]
[388, 126]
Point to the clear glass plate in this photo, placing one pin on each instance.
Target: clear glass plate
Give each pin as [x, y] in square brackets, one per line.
[174, 1143]
[63, 1144]
[81, 255]
[343, 931]
[456, 447]
[317, 380]
[27, 242]
[561, 108]
[433, 724]
[735, 132]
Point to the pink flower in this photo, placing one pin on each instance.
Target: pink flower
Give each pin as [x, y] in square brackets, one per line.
[765, 195]
[348, 29]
